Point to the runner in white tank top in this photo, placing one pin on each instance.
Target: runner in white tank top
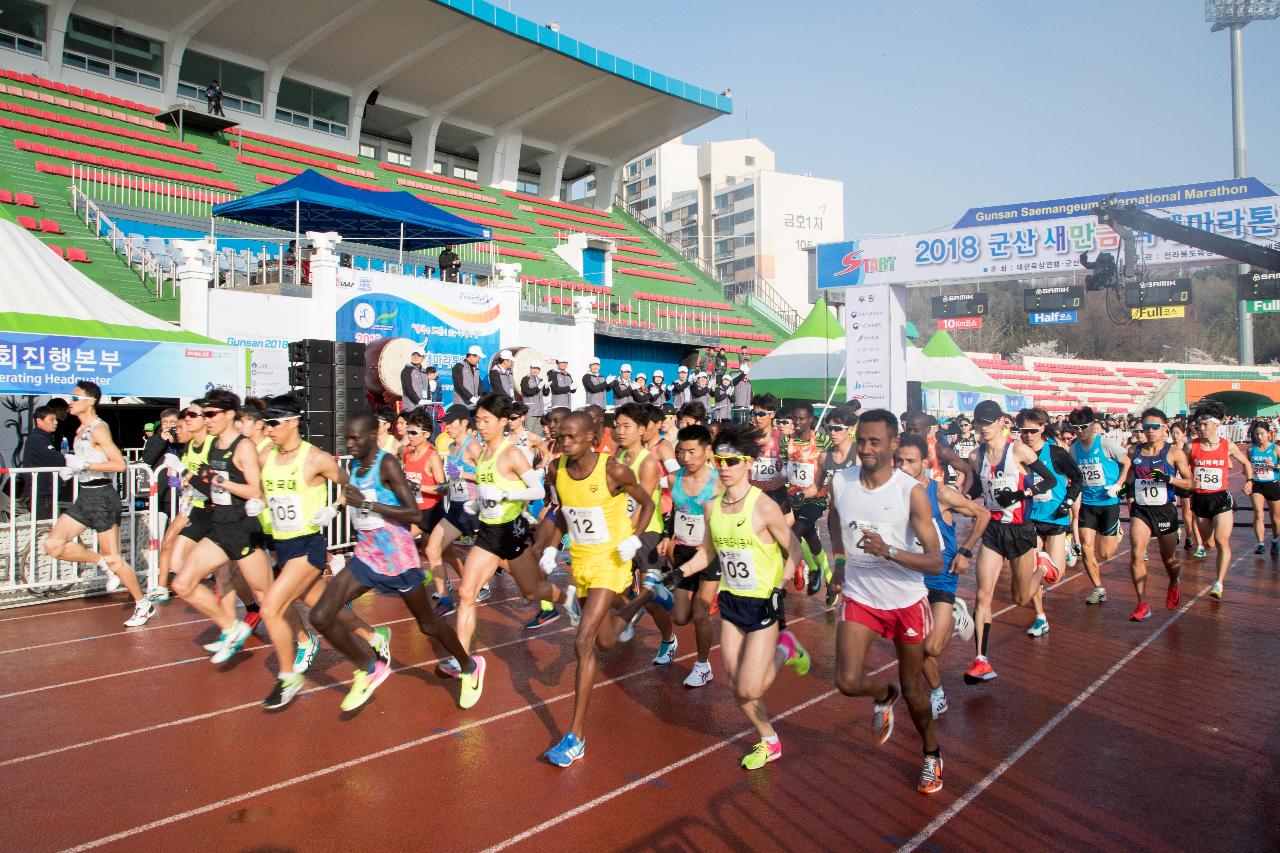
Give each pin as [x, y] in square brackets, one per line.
[876, 515]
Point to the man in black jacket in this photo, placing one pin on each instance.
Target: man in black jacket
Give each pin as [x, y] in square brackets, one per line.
[41, 451]
[680, 388]
[164, 441]
[533, 393]
[562, 389]
[450, 265]
[466, 378]
[412, 380]
[594, 384]
[501, 380]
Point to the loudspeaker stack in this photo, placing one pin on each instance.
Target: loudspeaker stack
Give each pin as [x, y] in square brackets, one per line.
[328, 378]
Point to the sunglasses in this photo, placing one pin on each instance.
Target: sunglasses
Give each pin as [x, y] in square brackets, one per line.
[414, 432]
[730, 461]
[1030, 431]
[784, 422]
[1152, 426]
[190, 416]
[213, 413]
[836, 427]
[75, 397]
[275, 422]
[758, 414]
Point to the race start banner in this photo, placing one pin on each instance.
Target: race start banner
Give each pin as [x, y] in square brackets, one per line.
[53, 364]
[1046, 238]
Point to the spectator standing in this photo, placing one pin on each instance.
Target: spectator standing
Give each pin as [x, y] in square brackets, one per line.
[41, 451]
[501, 380]
[720, 364]
[159, 445]
[657, 388]
[65, 434]
[622, 387]
[450, 264]
[742, 391]
[680, 388]
[595, 385]
[213, 97]
[723, 396]
[701, 391]
[561, 382]
[466, 378]
[534, 391]
[413, 379]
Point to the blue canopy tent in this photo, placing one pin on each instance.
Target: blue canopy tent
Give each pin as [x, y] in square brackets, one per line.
[374, 217]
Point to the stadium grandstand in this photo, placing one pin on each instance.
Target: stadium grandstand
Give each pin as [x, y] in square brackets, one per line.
[477, 111]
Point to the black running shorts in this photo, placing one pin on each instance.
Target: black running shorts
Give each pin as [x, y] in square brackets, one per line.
[750, 614]
[1161, 520]
[1104, 519]
[1010, 541]
[681, 554]
[507, 540]
[1211, 504]
[237, 539]
[97, 508]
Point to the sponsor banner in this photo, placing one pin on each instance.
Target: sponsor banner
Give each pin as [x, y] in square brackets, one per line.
[447, 318]
[1159, 312]
[1040, 244]
[1051, 318]
[1263, 306]
[53, 364]
[951, 324]
[876, 348]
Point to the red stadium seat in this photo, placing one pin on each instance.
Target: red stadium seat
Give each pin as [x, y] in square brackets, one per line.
[57, 250]
[50, 226]
[28, 223]
[78, 256]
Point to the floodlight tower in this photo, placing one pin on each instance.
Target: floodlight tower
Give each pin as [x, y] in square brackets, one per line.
[1233, 15]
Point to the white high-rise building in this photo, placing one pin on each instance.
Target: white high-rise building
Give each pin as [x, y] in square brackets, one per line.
[726, 204]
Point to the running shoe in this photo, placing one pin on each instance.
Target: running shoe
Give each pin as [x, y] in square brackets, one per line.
[113, 581]
[815, 581]
[1275, 547]
[700, 675]
[306, 654]
[158, 594]
[963, 621]
[1173, 597]
[363, 685]
[1259, 550]
[833, 595]
[1098, 596]
[568, 750]
[666, 651]
[252, 618]
[1216, 590]
[472, 684]
[931, 775]
[937, 702]
[1187, 546]
[445, 607]
[1200, 553]
[761, 754]
[142, 613]
[629, 632]
[235, 639]
[661, 595]
[1050, 570]
[979, 671]
[1141, 613]
[484, 594]
[798, 659]
[1038, 628]
[882, 716]
[382, 643]
[216, 644]
[1072, 557]
[572, 607]
[542, 617]
[449, 668]
[285, 689]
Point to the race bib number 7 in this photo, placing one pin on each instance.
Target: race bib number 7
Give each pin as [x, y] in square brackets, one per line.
[689, 528]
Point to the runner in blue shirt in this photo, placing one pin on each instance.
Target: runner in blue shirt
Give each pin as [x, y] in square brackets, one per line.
[1264, 459]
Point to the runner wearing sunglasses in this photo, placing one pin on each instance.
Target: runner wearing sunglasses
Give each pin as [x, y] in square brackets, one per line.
[1157, 468]
[753, 561]
[695, 485]
[456, 522]
[766, 472]
[803, 452]
[1105, 467]
[1211, 502]
[1264, 459]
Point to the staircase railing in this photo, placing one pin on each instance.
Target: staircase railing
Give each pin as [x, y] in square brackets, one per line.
[759, 289]
[689, 254]
[135, 256]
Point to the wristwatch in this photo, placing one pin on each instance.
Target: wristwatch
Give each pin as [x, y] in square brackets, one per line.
[893, 553]
[965, 552]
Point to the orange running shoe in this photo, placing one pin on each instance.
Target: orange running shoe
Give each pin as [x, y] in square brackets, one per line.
[931, 775]
[979, 672]
[1174, 596]
[1051, 573]
[1141, 613]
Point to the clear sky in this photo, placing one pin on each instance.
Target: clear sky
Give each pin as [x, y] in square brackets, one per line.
[925, 108]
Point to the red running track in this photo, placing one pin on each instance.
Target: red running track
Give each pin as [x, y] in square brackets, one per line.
[1104, 734]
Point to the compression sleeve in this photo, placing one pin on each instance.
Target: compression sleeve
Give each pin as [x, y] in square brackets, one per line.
[534, 489]
[1045, 479]
[1068, 468]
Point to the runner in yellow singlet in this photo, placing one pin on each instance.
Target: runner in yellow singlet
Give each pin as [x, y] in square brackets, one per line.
[753, 562]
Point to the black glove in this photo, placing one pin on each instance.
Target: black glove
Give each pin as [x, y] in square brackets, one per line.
[1062, 509]
[1123, 492]
[202, 480]
[1158, 476]
[1008, 497]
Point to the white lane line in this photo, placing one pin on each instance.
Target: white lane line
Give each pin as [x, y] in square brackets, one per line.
[991, 778]
[702, 753]
[354, 762]
[130, 632]
[119, 604]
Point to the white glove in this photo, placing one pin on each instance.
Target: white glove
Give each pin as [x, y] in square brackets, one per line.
[490, 492]
[629, 547]
[547, 562]
[1114, 490]
[174, 464]
[745, 368]
[254, 507]
[324, 516]
[610, 378]
[75, 463]
[66, 474]
[471, 507]
[338, 563]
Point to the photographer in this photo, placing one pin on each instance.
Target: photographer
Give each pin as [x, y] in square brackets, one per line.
[164, 441]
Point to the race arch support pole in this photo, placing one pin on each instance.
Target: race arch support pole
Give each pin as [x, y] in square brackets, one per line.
[1244, 320]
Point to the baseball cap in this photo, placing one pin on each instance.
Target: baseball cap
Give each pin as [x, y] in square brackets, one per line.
[417, 352]
[987, 412]
[659, 373]
[505, 355]
[535, 366]
[475, 350]
[626, 368]
[456, 413]
[150, 426]
[595, 359]
[566, 361]
[682, 369]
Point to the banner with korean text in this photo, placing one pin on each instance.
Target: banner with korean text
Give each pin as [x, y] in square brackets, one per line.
[53, 364]
[876, 348]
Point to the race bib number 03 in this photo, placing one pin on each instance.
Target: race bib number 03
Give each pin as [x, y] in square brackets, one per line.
[737, 570]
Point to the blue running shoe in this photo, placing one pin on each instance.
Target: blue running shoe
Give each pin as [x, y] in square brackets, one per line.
[567, 751]
[661, 595]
